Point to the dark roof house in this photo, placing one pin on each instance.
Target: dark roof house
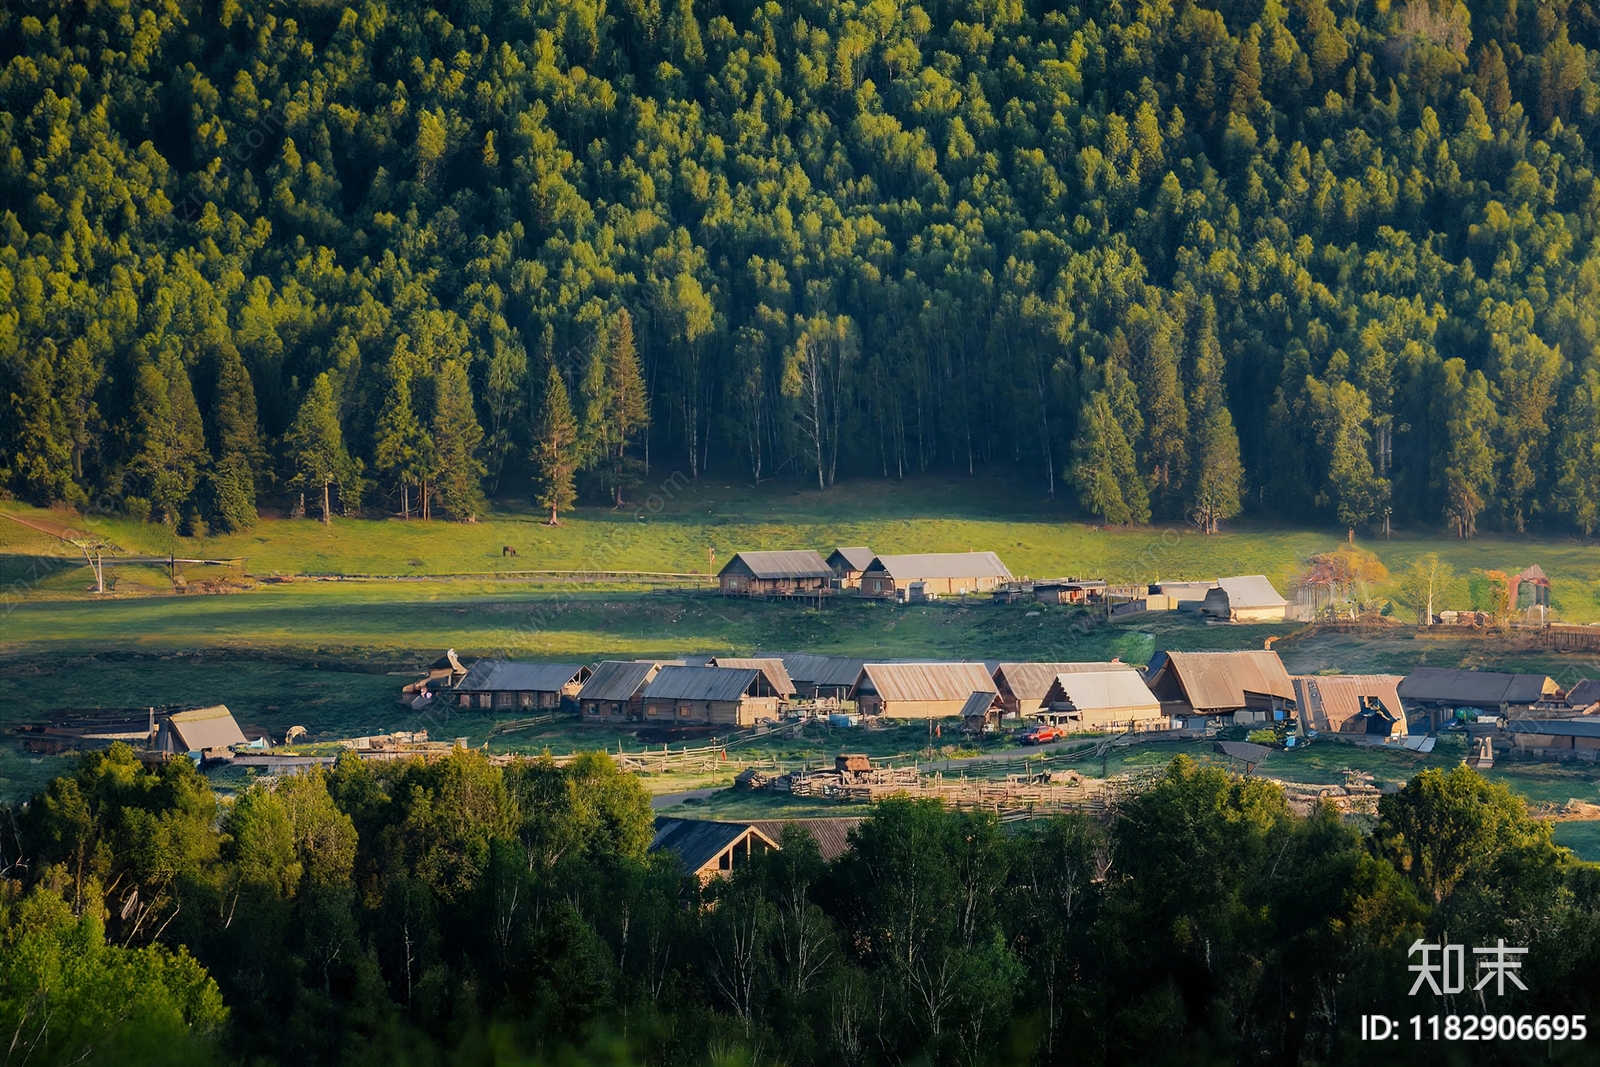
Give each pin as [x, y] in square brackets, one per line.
[813, 673]
[707, 683]
[775, 574]
[710, 849]
[1487, 690]
[846, 560]
[771, 666]
[492, 675]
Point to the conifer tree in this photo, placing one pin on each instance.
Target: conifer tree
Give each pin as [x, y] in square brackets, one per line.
[1166, 434]
[1470, 461]
[1578, 454]
[232, 479]
[401, 448]
[171, 439]
[316, 452]
[1218, 473]
[456, 437]
[629, 413]
[1106, 470]
[555, 449]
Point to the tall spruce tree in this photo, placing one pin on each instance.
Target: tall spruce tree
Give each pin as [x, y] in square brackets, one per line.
[555, 449]
[1578, 454]
[629, 413]
[316, 452]
[402, 449]
[456, 437]
[1218, 474]
[233, 477]
[1106, 469]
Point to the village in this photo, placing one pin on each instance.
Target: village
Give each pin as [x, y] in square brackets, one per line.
[1034, 728]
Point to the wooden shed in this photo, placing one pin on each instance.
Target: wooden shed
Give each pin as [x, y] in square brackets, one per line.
[1351, 703]
[614, 692]
[1023, 686]
[919, 690]
[1247, 598]
[822, 677]
[1082, 591]
[936, 573]
[799, 573]
[848, 565]
[730, 696]
[1101, 700]
[502, 685]
[210, 730]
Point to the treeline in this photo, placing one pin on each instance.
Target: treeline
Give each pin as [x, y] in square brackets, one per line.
[1182, 258]
[458, 911]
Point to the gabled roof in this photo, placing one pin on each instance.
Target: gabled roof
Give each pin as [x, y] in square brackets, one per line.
[1183, 590]
[1250, 591]
[1588, 726]
[700, 841]
[618, 680]
[926, 681]
[771, 666]
[448, 661]
[1584, 693]
[1485, 689]
[205, 728]
[822, 670]
[1327, 702]
[1102, 691]
[500, 675]
[855, 559]
[797, 564]
[832, 834]
[1218, 681]
[940, 565]
[1031, 681]
[701, 683]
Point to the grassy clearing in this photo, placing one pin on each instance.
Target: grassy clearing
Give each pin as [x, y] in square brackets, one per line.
[1581, 837]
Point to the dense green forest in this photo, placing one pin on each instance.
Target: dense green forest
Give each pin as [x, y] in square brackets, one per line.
[1175, 258]
[457, 911]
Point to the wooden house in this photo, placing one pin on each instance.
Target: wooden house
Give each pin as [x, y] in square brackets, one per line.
[848, 565]
[1351, 703]
[1081, 591]
[1023, 686]
[728, 696]
[1441, 692]
[776, 574]
[771, 666]
[1181, 596]
[502, 685]
[822, 677]
[614, 692]
[203, 731]
[1251, 686]
[710, 850]
[982, 712]
[1113, 699]
[1247, 598]
[443, 673]
[935, 573]
[919, 690]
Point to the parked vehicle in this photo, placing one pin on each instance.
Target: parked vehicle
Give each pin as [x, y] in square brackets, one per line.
[1043, 735]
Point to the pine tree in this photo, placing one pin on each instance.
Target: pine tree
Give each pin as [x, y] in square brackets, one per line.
[555, 449]
[1470, 461]
[1357, 492]
[171, 439]
[1218, 473]
[317, 454]
[630, 407]
[401, 448]
[456, 437]
[1166, 445]
[594, 401]
[1578, 454]
[1106, 471]
[503, 397]
[232, 479]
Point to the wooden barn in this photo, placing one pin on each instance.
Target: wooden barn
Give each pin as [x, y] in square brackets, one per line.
[710, 850]
[614, 692]
[800, 573]
[502, 685]
[1112, 699]
[822, 677]
[919, 690]
[1082, 591]
[1247, 598]
[771, 666]
[729, 696]
[1441, 692]
[207, 731]
[1023, 686]
[1252, 686]
[848, 565]
[934, 573]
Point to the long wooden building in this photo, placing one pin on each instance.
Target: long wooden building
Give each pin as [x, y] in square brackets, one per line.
[800, 573]
[919, 690]
[935, 573]
[732, 696]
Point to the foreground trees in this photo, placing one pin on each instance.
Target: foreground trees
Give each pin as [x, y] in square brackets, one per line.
[455, 905]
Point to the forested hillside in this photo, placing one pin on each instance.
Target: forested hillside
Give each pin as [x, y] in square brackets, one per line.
[1172, 258]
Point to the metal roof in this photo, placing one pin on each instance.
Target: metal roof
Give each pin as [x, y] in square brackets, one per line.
[1218, 681]
[205, 728]
[1482, 689]
[797, 564]
[500, 675]
[856, 559]
[823, 670]
[618, 680]
[700, 841]
[1031, 681]
[1183, 590]
[1327, 702]
[831, 834]
[926, 681]
[771, 666]
[1250, 591]
[941, 565]
[1584, 693]
[1247, 751]
[701, 683]
[977, 704]
[1588, 726]
[1112, 690]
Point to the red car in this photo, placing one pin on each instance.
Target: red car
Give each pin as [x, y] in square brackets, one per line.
[1043, 735]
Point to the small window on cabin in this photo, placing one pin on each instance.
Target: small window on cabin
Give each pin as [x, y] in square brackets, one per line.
[594, 709]
[725, 861]
[651, 710]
